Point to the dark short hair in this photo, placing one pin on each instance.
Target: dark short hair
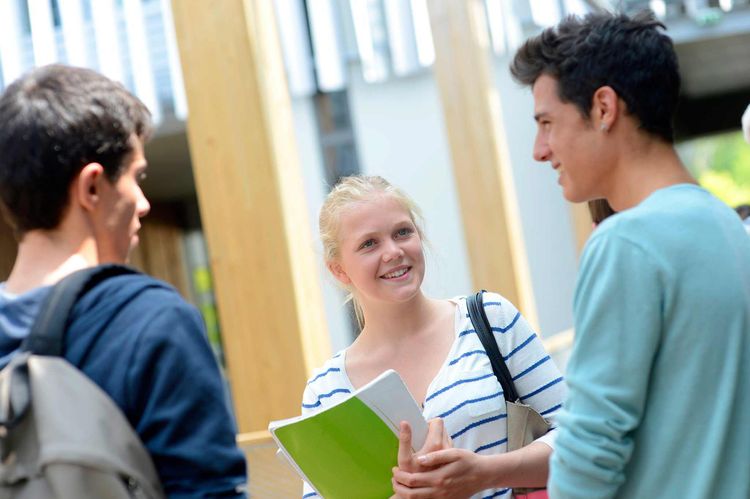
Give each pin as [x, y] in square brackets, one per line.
[630, 54]
[53, 121]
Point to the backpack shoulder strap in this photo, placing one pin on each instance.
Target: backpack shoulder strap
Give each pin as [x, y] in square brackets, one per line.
[478, 317]
[48, 331]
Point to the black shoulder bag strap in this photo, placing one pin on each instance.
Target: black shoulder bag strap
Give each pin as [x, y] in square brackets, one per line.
[48, 332]
[482, 326]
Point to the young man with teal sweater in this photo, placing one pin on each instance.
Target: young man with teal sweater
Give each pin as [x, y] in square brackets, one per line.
[659, 376]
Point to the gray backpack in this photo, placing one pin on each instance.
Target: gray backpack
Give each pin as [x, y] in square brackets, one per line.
[61, 436]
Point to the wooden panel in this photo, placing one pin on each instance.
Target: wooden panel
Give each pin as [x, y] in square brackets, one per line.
[252, 205]
[160, 251]
[8, 249]
[582, 224]
[270, 474]
[471, 106]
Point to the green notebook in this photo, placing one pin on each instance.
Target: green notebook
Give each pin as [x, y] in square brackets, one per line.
[347, 450]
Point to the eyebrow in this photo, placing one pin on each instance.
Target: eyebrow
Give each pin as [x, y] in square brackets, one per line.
[368, 235]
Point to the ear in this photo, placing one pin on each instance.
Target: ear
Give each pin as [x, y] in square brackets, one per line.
[338, 272]
[86, 186]
[604, 108]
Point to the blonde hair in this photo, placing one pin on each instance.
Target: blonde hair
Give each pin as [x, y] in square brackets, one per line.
[355, 189]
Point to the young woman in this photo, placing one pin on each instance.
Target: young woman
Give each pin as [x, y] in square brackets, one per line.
[372, 244]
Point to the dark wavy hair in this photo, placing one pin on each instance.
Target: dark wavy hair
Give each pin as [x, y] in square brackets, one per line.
[630, 54]
[55, 120]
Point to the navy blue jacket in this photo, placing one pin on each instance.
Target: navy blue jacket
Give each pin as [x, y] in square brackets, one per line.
[145, 346]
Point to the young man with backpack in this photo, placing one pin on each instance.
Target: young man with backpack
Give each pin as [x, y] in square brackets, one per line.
[659, 375]
[71, 162]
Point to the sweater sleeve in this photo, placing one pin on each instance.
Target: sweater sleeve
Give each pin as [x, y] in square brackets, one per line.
[617, 306]
[179, 406]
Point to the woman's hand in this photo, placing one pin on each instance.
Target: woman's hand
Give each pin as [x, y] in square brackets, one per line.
[436, 470]
[437, 439]
[449, 473]
[458, 473]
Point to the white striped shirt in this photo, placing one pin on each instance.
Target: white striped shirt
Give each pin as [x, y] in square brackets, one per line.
[465, 392]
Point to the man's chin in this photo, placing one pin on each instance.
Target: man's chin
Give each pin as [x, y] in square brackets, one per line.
[572, 199]
[575, 197]
[128, 257]
[134, 241]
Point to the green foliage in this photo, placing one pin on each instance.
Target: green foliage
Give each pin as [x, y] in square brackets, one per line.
[721, 164]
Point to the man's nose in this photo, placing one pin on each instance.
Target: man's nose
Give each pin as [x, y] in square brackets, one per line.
[142, 206]
[541, 149]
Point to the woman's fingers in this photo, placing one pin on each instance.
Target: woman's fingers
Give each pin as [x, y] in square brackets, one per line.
[439, 458]
[436, 436]
[405, 457]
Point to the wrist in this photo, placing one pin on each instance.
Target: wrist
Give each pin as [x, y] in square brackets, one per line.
[491, 474]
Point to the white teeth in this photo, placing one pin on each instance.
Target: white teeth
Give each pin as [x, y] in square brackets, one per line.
[397, 273]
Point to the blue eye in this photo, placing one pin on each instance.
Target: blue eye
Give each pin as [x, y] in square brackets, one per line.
[367, 244]
[404, 232]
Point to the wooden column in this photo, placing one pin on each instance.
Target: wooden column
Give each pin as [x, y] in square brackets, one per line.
[471, 106]
[8, 249]
[581, 221]
[160, 251]
[252, 205]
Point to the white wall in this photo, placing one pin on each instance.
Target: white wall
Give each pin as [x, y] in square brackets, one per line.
[400, 135]
[545, 215]
[315, 191]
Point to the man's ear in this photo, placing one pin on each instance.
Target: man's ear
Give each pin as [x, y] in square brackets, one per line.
[87, 185]
[605, 108]
[338, 272]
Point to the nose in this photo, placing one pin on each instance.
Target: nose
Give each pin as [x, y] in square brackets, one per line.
[392, 251]
[541, 148]
[142, 206]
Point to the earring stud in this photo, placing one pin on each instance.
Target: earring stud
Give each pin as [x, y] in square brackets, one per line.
[603, 127]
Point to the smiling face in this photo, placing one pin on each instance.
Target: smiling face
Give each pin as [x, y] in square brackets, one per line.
[573, 146]
[121, 206]
[380, 254]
